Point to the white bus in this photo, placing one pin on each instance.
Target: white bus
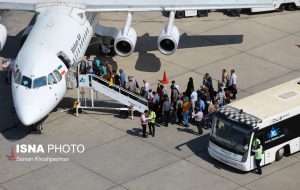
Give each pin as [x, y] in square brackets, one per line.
[279, 5]
[272, 116]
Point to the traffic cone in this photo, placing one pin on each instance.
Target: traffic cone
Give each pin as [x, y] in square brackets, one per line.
[12, 155]
[165, 80]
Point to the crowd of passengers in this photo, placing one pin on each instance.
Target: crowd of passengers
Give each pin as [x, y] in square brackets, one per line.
[180, 106]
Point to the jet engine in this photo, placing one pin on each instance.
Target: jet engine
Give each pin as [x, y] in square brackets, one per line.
[125, 40]
[169, 37]
[168, 41]
[3, 36]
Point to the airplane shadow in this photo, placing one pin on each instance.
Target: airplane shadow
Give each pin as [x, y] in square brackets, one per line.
[199, 147]
[12, 45]
[148, 62]
[146, 43]
[10, 126]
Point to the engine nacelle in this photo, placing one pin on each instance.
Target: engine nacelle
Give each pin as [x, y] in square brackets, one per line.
[125, 42]
[168, 41]
[3, 36]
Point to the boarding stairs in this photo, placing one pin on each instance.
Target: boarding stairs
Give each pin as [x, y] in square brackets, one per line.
[118, 93]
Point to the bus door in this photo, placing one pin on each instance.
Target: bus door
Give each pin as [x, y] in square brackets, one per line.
[252, 157]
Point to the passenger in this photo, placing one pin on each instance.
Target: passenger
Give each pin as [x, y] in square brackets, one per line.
[207, 81]
[192, 108]
[176, 85]
[211, 109]
[198, 115]
[131, 86]
[179, 105]
[136, 82]
[144, 122]
[227, 96]
[194, 94]
[117, 78]
[174, 96]
[166, 110]
[189, 88]
[97, 65]
[109, 68]
[111, 81]
[232, 84]
[201, 105]
[159, 89]
[155, 102]
[225, 78]
[163, 90]
[150, 98]
[89, 65]
[185, 111]
[103, 70]
[123, 78]
[82, 67]
[146, 89]
[220, 98]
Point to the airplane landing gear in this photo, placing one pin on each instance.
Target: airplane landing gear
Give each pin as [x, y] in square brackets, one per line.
[37, 128]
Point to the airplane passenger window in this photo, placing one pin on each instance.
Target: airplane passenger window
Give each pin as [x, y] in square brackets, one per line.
[39, 82]
[26, 81]
[57, 75]
[51, 79]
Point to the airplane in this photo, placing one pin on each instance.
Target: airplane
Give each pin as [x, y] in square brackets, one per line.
[62, 33]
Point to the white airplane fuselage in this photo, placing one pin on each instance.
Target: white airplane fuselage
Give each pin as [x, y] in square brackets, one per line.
[60, 34]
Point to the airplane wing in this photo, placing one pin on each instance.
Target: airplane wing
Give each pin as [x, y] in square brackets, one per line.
[136, 5]
[28, 5]
[170, 5]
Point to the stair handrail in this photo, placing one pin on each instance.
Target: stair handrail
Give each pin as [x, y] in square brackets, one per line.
[121, 89]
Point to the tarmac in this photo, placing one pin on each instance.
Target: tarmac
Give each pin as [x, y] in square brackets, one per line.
[263, 50]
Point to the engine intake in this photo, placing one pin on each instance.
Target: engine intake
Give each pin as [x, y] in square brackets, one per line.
[125, 42]
[168, 41]
[3, 36]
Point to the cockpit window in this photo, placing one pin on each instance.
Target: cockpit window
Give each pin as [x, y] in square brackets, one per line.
[39, 82]
[57, 75]
[51, 79]
[26, 81]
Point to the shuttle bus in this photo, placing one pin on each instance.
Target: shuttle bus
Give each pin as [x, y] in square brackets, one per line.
[272, 116]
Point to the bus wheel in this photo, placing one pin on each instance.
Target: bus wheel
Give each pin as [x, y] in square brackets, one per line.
[281, 8]
[290, 7]
[279, 154]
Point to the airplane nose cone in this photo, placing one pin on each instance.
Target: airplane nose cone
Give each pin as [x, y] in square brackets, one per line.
[28, 115]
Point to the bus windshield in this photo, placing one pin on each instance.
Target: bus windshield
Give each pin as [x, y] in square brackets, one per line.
[230, 135]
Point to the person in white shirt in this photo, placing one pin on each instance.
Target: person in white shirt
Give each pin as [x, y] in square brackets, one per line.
[195, 95]
[232, 84]
[146, 89]
[144, 122]
[89, 65]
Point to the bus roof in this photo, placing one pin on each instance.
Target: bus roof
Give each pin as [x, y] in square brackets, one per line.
[273, 101]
